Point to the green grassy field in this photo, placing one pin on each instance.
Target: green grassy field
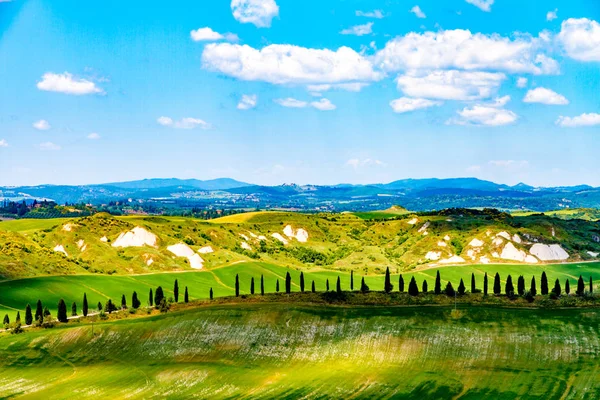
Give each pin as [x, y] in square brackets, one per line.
[16, 294]
[301, 351]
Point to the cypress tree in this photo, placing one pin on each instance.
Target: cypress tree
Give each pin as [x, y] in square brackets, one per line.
[186, 296]
[74, 309]
[521, 285]
[449, 290]
[252, 285]
[99, 306]
[6, 319]
[473, 288]
[210, 294]
[351, 280]
[109, 307]
[262, 285]
[61, 314]
[84, 308]
[580, 286]
[437, 289]
[424, 287]
[363, 286]
[413, 289]
[18, 319]
[288, 283]
[567, 287]
[388, 283]
[591, 285]
[556, 289]
[302, 282]
[544, 283]
[237, 285]
[135, 302]
[461, 287]
[176, 291]
[46, 311]
[509, 289]
[532, 288]
[28, 316]
[401, 284]
[39, 311]
[150, 299]
[338, 286]
[485, 284]
[327, 285]
[277, 285]
[497, 288]
[123, 303]
[313, 287]
[158, 296]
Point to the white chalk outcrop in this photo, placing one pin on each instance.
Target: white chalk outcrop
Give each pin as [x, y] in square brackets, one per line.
[183, 250]
[59, 248]
[279, 237]
[413, 221]
[484, 260]
[593, 254]
[246, 246]
[510, 252]
[516, 238]
[299, 234]
[68, 227]
[446, 238]
[441, 243]
[549, 252]
[81, 245]
[104, 239]
[505, 235]
[497, 241]
[205, 250]
[137, 237]
[476, 243]
[453, 260]
[433, 255]
[246, 238]
[423, 229]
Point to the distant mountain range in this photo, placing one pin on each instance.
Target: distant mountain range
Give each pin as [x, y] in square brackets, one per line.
[415, 194]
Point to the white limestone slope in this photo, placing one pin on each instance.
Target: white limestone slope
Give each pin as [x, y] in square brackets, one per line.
[183, 250]
[137, 237]
[549, 252]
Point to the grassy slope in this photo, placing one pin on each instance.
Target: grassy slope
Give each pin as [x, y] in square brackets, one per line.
[15, 294]
[286, 351]
[587, 214]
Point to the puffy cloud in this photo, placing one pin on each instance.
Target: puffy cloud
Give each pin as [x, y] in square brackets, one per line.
[323, 105]
[42, 125]
[370, 14]
[486, 114]
[407, 104]
[581, 39]
[551, 15]
[184, 123]
[66, 83]
[207, 34]
[358, 30]
[93, 136]
[450, 85]
[521, 82]
[545, 96]
[3, 143]
[257, 12]
[286, 64]
[350, 87]
[483, 5]
[367, 162]
[247, 102]
[49, 146]
[509, 164]
[464, 50]
[591, 119]
[418, 12]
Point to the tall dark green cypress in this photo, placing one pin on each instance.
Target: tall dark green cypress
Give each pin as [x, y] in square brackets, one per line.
[277, 285]
[123, 303]
[327, 285]
[28, 316]
[591, 285]
[313, 288]
[210, 294]
[363, 286]
[237, 285]
[150, 299]
[485, 284]
[302, 282]
[84, 308]
[186, 296]
[6, 320]
[580, 286]
[521, 285]
[532, 288]
[39, 311]
[262, 285]
[556, 289]
[509, 289]
[413, 289]
[338, 286]
[424, 286]
[401, 284]
[544, 283]
[288, 283]
[461, 287]
[158, 296]
[437, 289]
[18, 319]
[61, 313]
[176, 291]
[252, 285]
[99, 306]
[351, 279]
[74, 309]
[135, 302]
[473, 288]
[567, 287]
[388, 287]
[497, 287]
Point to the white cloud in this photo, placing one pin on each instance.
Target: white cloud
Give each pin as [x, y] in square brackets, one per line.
[285, 64]
[42, 125]
[483, 5]
[450, 85]
[3, 143]
[418, 12]
[323, 105]
[247, 102]
[358, 30]
[370, 14]
[591, 119]
[49, 146]
[350, 87]
[486, 114]
[207, 34]
[184, 123]
[66, 83]
[545, 96]
[521, 82]
[367, 162]
[509, 164]
[93, 136]
[461, 49]
[551, 15]
[257, 12]
[474, 169]
[581, 39]
[407, 104]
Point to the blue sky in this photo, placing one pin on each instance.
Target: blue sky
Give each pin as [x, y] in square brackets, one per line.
[275, 91]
